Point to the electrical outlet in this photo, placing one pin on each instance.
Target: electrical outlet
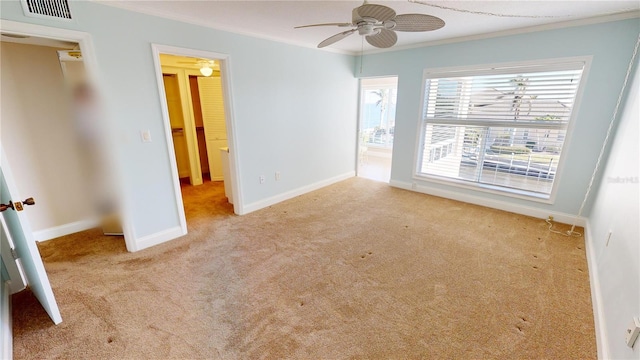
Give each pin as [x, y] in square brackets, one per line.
[632, 332]
[277, 175]
[262, 179]
[550, 218]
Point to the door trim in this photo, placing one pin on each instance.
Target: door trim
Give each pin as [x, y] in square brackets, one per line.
[85, 41]
[225, 71]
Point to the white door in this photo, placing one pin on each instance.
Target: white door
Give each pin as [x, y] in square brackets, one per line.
[213, 121]
[18, 281]
[18, 229]
[6, 330]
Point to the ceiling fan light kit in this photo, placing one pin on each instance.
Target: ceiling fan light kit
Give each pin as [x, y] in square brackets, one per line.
[378, 24]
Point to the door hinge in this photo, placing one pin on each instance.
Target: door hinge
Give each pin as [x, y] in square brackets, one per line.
[14, 254]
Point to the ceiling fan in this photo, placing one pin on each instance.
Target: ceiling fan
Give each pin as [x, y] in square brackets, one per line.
[379, 23]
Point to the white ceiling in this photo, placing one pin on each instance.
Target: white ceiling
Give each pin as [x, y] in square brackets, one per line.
[276, 19]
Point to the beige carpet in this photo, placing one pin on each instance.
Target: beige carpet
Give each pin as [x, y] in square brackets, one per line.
[355, 270]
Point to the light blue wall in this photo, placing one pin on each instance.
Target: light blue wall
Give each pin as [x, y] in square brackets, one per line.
[610, 44]
[295, 107]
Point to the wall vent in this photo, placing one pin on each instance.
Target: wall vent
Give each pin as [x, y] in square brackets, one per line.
[58, 9]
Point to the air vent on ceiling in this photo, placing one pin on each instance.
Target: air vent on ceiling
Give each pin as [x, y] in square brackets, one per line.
[58, 9]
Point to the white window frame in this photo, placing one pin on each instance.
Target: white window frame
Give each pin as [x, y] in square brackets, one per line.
[490, 69]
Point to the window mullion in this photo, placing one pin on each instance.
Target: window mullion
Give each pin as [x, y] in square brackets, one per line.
[494, 123]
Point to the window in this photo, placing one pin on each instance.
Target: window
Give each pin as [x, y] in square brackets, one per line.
[501, 128]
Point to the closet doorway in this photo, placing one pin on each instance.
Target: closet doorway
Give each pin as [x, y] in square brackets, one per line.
[196, 103]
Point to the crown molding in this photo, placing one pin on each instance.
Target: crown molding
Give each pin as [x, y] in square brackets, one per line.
[536, 28]
[552, 26]
[190, 20]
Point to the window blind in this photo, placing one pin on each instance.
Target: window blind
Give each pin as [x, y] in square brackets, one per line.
[504, 129]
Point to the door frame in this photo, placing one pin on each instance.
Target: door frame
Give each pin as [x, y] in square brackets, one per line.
[85, 42]
[225, 72]
[361, 89]
[195, 174]
[190, 132]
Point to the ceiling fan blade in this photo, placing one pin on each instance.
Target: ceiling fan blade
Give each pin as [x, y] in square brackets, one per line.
[417, 22]
[379, 12]
[384, 39]
[327, 24]
[336, 38]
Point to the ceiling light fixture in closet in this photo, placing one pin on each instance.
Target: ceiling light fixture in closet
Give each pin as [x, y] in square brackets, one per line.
[206, 70]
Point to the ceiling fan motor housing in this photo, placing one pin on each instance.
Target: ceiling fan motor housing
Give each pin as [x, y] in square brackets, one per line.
[389, 24]
[366, 29]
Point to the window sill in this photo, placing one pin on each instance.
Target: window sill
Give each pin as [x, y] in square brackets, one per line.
[486, 188]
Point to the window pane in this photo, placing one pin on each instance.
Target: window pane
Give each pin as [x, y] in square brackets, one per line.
[505, 130]
[525, 159]
[519, 158]
[445, 95]
[511, 97]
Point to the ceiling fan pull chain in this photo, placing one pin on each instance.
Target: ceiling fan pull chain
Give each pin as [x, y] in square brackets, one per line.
[361, 54]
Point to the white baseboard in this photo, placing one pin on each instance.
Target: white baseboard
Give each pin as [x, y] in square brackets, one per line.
[66, 229]
[602, 341]
[158, 238]
[260, 204]
[176, 232]
[492, 203]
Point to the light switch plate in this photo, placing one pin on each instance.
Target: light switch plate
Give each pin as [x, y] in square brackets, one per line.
[632, 332]
[145, 135]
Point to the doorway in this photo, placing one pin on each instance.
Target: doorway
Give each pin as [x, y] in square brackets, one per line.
[54, 130]
[195, 96]
[376, 127]
[42, 137]
[68, 46]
